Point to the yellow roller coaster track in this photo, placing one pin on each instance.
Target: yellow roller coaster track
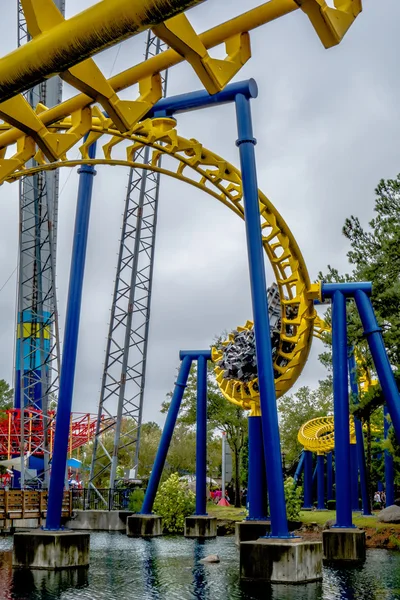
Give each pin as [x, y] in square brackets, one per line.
[318, 434]
[47, 135]
[207, 171]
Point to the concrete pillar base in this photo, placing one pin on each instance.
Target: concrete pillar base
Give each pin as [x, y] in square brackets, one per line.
[52, 550]
[200, 527]
[344, 545]
[248, 531]
[281, 561]
[143, 526]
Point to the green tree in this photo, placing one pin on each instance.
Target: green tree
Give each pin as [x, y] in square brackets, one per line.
[222, 416]
[6, 396]
[374, 256]
[174, 501]
[298, 408]
[150, 436]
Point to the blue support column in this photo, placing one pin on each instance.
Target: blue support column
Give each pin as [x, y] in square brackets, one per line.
[329, 476]
[256, 488]
[362, 466]
[341, 411]
[299, 468]
[389, 466]
[78, 259]
[308, 473]
[166, 436]
[355, 505]
[373, 334]
[201, 437]
[269, 413]
[321, 482]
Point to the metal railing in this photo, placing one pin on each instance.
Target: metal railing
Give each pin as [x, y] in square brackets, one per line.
[101, 499]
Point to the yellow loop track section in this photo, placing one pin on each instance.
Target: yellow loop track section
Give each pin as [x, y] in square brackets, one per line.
[197, 166]
[318, 435]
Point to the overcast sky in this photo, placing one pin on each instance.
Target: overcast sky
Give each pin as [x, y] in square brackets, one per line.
[328, 128]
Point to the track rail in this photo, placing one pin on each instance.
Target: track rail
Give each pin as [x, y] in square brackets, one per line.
[199, 167]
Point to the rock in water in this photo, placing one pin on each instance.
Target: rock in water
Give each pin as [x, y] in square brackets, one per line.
[211, 558]
[391, 514]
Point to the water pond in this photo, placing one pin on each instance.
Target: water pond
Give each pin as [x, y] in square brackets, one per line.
[169, 569]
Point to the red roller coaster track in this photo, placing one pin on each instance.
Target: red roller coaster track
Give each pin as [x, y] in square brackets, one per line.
[82, 429]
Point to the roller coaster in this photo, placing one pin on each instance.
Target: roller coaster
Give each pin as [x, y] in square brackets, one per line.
[42, 140]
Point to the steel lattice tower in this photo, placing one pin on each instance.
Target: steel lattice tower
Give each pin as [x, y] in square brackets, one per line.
[123, 382]
[37, 357]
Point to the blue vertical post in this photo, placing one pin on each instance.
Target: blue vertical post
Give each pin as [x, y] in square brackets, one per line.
[321, 482]
[308, 473]
[201, 437]
[341, 411]
[269, 413]
[299, 468]
[355, 506]
[256, 487]
[166, 436]
[373, 333]
[389, 466]
[77, 270]
[362, 466]
[329, 476]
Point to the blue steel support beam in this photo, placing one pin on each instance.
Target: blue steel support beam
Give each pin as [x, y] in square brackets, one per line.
[373, 333]
[389, 466]
[321, 482]
[256, 488]
[78, 259]
[329, 476]
[347, 289]
[341, 411]
[362, 466]
[308, 473]
[299, 468]
[201, 437]
[258, 284]
[166, 436]
[355, 505]
[167, 107]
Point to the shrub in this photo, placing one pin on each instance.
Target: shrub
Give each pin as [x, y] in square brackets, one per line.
[331, 504]
[136, 500]
[174, 501]
[293, 497]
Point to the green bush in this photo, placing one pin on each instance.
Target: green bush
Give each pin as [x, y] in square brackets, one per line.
[331, 504]
[136, 500]
[174, 501]
[293, 497]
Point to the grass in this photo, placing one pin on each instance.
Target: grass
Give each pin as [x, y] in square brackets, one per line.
[321, 517]
[226, 512]
[306, 516]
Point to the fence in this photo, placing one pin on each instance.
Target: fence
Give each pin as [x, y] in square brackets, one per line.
[101, 499]
[28, 504]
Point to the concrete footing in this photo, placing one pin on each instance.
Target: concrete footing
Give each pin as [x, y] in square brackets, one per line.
[281, 561]
[344, 545]
[99, 520]
[50, 549]
[248, 531]
[202, 527]
[143, 526]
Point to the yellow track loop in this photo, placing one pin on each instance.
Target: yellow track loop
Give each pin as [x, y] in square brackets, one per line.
[207, 171]
[318, 435]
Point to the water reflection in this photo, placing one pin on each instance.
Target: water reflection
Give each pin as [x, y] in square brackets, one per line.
[150, 569]
[46, 585]
[200, 589]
